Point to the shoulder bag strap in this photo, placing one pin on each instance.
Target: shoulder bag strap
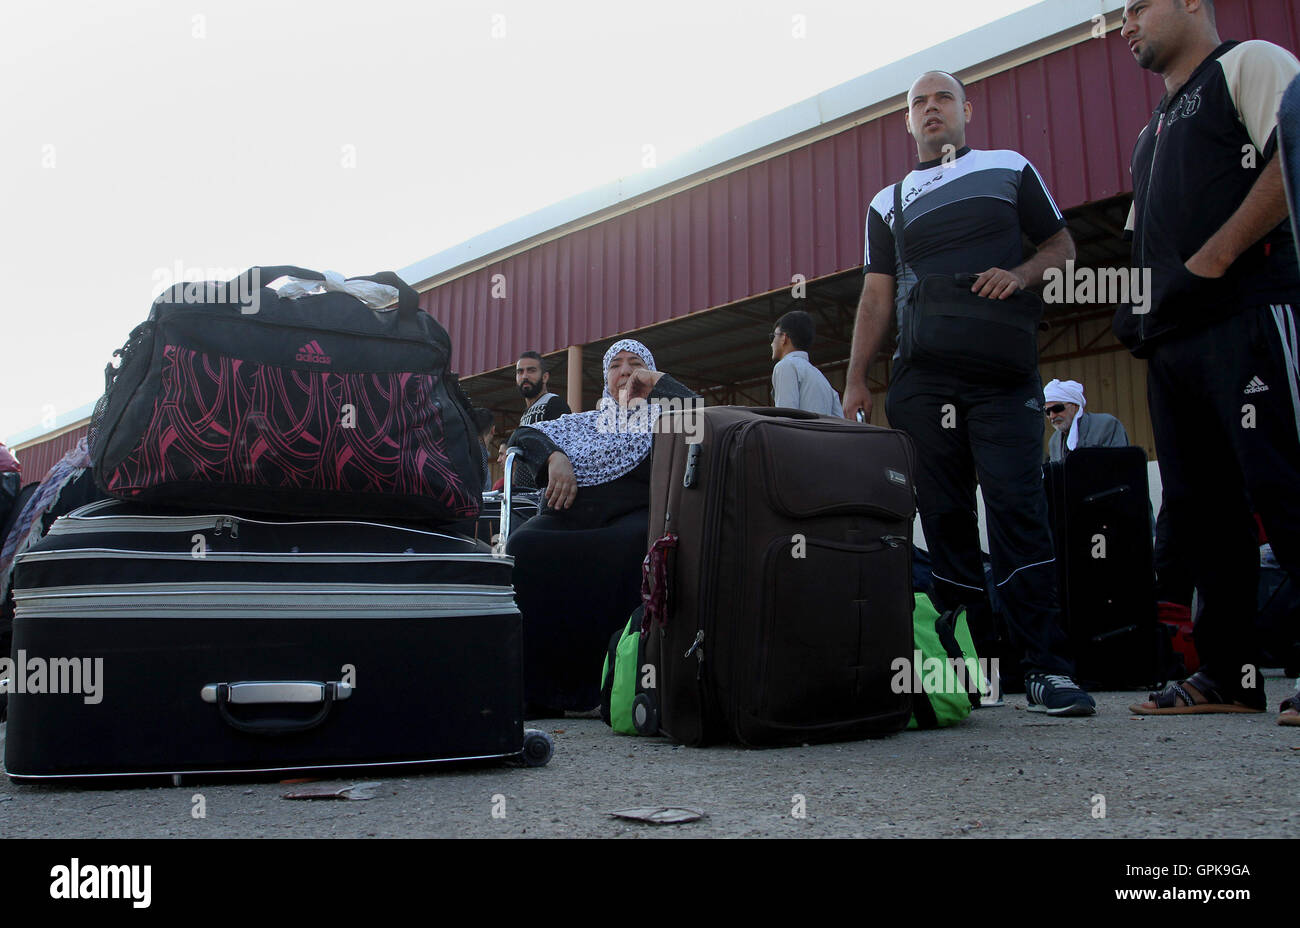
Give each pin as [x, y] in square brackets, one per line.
[899, 223]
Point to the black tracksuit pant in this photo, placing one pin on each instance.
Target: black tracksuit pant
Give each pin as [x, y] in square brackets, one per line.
[962, 431]
[1226, 414]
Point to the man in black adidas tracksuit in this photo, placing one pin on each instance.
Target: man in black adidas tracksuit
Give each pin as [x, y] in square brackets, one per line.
[1209, 222]
[965, 213]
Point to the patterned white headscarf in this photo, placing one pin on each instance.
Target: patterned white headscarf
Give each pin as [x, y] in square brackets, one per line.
[612, 440]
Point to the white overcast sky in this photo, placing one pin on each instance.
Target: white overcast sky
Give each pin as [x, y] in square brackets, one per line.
[139, 136]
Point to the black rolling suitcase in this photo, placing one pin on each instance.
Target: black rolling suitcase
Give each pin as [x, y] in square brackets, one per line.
[779, 577]
[1098, 504]
[173, 644]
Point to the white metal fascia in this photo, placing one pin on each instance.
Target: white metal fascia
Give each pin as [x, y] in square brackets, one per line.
[62, 425]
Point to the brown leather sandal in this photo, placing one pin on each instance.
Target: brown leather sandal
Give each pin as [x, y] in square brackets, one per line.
[1289, 711]
[1175, 699]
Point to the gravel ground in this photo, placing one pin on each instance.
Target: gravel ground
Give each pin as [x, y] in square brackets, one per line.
[1006, 773]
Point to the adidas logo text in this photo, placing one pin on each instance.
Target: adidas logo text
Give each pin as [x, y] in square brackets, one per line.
[1256, 386]
[313, 353]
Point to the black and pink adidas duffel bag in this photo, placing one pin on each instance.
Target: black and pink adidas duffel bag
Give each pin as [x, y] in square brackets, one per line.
[233, 396]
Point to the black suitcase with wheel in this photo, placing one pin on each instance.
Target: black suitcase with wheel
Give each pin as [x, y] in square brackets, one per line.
[174, 644]
[1098, 504]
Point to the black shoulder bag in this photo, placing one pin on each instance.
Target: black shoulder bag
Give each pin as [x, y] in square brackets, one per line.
[946, 326]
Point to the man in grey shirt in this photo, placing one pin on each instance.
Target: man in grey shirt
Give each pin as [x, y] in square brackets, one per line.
[795, 382]
[1075, 428]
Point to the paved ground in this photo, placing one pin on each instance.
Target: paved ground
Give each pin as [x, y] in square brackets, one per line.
[1006, 773]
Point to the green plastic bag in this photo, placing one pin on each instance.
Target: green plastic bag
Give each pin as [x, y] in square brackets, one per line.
[627, 695]
[946, 675]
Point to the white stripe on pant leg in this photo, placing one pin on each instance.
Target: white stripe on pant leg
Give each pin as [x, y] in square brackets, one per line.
[1285, 321]
[955, 583]
[1026, 567]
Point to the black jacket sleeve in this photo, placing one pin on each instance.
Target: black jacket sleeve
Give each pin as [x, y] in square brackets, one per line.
[535, 447]
[669, 387]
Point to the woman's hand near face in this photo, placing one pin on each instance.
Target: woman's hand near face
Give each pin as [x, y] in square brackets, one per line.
[638, 385]
[561, 484]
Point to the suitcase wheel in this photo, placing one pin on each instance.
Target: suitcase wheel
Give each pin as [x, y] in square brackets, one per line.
[538, 748]
[645, 715]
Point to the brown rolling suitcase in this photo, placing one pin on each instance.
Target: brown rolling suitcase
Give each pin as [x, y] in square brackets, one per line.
[779, 576]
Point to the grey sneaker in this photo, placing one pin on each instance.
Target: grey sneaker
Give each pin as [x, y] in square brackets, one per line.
[1057, 694]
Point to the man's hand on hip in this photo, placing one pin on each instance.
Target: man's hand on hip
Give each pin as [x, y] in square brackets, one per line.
[997, 284]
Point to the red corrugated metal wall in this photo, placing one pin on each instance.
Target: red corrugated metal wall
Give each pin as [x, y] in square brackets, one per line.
[39, 458]
[1074, 113]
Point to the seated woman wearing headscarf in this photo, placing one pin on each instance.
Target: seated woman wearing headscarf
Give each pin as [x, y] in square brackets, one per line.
[578, 564]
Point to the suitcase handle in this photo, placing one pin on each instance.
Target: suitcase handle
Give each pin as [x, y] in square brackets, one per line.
[654, 582]
[1106, 494]
[783, 412]
[408, 300]
[277, 692]
[507, 495]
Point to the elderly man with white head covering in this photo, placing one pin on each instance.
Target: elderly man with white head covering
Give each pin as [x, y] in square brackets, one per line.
[1065, 404]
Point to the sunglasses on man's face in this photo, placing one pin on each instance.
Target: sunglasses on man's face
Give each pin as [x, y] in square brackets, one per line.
[1053, 410]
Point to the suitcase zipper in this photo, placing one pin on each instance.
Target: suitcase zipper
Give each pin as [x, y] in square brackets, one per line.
[87, 520]
[268, 557]
[712, 530]
[733, 699]
[303, 327]
[244, 600]
[697, 649]
[226, 522]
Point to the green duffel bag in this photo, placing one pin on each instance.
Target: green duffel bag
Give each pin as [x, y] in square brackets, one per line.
[944, 673]
[628, 699]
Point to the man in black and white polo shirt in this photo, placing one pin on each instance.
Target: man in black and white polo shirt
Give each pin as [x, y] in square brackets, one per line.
[534, 384]
[1209, 222]
[965, 213]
